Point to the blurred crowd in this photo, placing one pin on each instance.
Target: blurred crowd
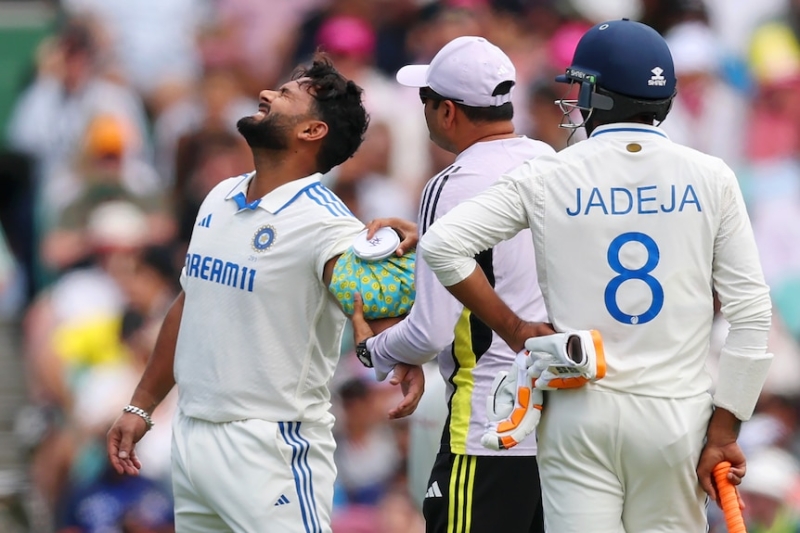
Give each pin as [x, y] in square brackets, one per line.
[128, 119]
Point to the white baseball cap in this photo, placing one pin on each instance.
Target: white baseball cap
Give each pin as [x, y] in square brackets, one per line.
[466, 70]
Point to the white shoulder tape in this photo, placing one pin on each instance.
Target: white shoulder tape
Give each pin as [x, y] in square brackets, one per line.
[740, 381]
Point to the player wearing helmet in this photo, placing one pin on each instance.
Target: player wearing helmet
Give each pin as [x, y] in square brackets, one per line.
[618, 80]
[634, 235]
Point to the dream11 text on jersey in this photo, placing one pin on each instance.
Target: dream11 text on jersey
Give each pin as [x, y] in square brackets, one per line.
[223, 272]
[644, 200]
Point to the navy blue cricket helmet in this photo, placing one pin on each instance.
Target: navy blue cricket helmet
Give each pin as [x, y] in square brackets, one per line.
[624, 68]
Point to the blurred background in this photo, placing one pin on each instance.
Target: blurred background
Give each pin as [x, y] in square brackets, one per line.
[117, 117]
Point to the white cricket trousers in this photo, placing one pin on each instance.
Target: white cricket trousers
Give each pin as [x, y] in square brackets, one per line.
[252, 476]
[620, 463]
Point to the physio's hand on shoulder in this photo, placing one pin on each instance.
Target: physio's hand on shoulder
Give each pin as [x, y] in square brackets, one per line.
[409, 235]
[121, 439]
[721, 446]
[412, 382]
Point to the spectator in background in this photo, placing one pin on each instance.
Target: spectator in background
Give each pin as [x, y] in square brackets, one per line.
[733, 22]
[244, 29]
[772, 190]
[350, 42]
[701, 115]
[100, 161]
[215, 104]
[771, 186]
[71, 330]
[153, 42]
[51, 115]
[101, 174]
[362, 182]
[118, 503]
[776, 423]
[658, 14]
[367, 456]
[438, 24]
[507, 25]
[772, 476]
[150, 287]
[310, 26]
[80, 326]
[774, 59]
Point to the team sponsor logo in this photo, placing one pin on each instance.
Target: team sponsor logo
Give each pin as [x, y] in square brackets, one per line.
[579, 75]
[216, 270]
[264, 238]
[657, 78]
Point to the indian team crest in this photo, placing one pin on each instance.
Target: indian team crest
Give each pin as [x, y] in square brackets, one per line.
[263, 239]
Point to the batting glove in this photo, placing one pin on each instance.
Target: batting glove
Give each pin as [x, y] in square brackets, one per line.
[559, 361]
[514, 406]
[569, 360]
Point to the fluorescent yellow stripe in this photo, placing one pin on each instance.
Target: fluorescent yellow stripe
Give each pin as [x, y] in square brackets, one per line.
[462, 470]
[468, 496]
[462, 483]
[464, 383]
[451, 504]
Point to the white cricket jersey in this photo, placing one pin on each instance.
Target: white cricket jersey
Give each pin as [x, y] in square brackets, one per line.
[469, 354]
[633, 233]
[260, 335]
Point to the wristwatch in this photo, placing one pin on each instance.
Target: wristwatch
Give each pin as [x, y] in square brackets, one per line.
[363, 354]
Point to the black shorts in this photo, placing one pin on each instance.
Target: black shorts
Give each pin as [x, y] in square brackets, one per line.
[483, 494]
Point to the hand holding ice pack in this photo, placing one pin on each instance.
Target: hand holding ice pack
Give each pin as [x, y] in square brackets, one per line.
[371, 268]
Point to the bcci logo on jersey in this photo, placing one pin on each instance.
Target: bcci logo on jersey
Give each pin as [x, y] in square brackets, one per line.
[263, 238]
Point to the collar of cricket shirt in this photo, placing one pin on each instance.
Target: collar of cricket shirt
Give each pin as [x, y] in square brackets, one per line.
[277, 199]
[634, 128]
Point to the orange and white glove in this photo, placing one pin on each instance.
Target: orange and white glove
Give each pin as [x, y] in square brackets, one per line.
[570, 360]
[558, 361]
[513, 407]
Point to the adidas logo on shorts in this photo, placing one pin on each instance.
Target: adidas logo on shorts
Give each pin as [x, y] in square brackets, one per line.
[433, 491]
[283, 500]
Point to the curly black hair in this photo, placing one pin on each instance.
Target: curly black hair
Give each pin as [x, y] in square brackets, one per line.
[338, 104]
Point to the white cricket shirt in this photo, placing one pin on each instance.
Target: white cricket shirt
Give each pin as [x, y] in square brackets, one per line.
[260, 335]
[632, 233]
[469, 354]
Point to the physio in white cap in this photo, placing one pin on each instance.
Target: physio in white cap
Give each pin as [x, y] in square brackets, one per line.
[466, 99]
